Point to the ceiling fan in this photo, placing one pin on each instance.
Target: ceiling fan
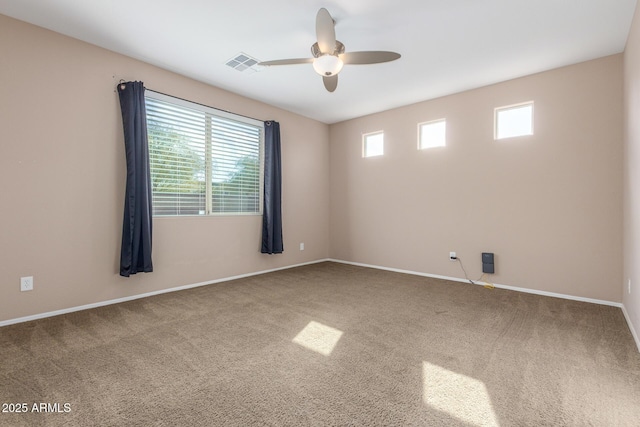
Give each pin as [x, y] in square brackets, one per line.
[329, 54]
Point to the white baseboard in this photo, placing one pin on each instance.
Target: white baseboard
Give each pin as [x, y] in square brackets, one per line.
[511, 288]
[631, 328]
[397, 270]
[148, 294]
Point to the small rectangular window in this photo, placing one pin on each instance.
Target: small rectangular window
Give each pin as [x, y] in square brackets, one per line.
[373, 144]
[514, 120]
[432, 134]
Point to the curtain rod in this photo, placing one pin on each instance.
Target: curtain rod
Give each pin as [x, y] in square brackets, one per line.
[208, 106]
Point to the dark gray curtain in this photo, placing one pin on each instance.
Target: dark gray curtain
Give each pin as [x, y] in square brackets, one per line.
[135, 253]
[272, 211]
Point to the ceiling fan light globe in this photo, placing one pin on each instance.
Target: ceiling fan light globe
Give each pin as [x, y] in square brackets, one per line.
[327, 65]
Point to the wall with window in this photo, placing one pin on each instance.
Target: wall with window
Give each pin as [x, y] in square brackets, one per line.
[549, 205]
[62, 165]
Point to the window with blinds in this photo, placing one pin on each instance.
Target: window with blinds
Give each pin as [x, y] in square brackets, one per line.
[203, 161]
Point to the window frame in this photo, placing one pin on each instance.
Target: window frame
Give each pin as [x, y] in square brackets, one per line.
[427, 123]
[225, 115]
[365, 137]
[496, 112]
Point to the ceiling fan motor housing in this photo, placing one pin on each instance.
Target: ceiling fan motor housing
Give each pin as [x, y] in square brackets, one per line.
[315, 50]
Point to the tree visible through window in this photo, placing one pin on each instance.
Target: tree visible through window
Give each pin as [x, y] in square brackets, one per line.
[203, 161]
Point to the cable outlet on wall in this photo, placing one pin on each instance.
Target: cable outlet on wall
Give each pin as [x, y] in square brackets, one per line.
[302, 246]
[26, 283]
[452, 256]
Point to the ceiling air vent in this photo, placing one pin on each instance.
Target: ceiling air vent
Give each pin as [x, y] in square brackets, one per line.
[245, 63]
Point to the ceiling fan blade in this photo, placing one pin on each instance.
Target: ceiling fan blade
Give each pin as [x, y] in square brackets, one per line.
[369, 57]
[325, 32]
[331, 82]
[286, 62]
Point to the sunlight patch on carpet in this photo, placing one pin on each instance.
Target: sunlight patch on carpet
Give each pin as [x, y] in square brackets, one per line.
[318, 337]
[460, 396]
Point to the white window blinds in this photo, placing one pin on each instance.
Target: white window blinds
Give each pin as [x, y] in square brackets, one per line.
[203, 161]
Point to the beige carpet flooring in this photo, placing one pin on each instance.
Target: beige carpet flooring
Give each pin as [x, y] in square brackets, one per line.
[326, 344]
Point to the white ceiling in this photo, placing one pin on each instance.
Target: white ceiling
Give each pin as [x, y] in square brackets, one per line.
[447, 46]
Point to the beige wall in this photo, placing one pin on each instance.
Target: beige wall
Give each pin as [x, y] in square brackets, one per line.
[62, 168]
[631, 300]
[549, 206]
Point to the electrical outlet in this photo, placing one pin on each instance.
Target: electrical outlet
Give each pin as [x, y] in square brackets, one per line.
[302, 246]
[629, 286]
[26, 283]
[452, 256]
